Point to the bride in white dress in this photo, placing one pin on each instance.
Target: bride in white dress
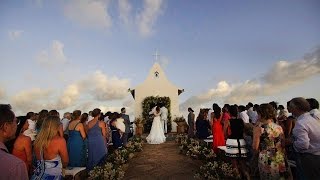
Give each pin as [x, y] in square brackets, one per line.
[156, 135]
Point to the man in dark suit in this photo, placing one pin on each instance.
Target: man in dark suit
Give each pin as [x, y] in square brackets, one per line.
[127, 124]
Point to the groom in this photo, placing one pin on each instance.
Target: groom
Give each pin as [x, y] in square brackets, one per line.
[164, 117]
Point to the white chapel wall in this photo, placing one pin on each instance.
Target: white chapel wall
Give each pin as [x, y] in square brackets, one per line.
[157, 86]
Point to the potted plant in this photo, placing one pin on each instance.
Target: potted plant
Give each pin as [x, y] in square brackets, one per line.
[181, 122]
[139, 125]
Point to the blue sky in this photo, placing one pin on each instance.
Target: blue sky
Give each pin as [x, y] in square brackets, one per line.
[87, 53]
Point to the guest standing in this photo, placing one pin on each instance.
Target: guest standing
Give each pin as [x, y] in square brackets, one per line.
[217, 130]
[116, 135]
[51, 150]
[97, 150]
[127, 125]
[268, 142]
[22, 146]
[11, 167]
[225, 120]
[306, 135]
[65, 122]
[77, 144]
[202, 125]
[314, 106]
[191, 123]
[236, 145]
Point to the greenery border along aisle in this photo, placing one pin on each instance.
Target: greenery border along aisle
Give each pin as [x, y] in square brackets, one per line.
[215, 165]
[147, 105]
[116, 163]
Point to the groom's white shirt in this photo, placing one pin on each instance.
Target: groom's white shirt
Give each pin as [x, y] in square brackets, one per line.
[164, 113]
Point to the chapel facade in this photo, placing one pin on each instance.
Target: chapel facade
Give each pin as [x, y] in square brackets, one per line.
[157, 84]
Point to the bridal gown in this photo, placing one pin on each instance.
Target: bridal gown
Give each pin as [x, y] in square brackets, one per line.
[156, 135]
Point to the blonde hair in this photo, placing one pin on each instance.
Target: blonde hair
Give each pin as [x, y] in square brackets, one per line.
[49, 129]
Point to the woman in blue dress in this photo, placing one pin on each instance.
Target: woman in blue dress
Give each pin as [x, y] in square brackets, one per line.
[97, 150]
[77, 147]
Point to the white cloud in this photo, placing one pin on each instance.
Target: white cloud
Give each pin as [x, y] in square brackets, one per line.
[31, 100]
[108, 88]
[97, 85]
[147, 18]
[69, 96]
[285, 74]
[282, 76]
[243, 92]
[15, 34]
[222, 90]
[82, 94]
[124, 11]
[89, 13]
[52, 56]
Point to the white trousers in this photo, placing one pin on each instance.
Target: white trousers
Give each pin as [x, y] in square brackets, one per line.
[164, 125]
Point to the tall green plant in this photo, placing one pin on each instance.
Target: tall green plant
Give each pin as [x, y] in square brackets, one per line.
[147, 104]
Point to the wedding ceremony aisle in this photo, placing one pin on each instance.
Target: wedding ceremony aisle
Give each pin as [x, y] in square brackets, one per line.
[161, 161]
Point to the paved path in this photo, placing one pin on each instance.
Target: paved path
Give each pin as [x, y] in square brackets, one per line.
[161, 161]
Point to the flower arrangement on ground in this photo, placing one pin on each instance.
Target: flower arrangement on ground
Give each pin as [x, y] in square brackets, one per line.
[107, 171]
[215, 165]
[217, 170]
[116, 161]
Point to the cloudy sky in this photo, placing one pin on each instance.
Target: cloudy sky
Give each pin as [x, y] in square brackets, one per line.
[82, 54]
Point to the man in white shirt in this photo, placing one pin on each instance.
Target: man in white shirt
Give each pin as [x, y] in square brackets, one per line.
[314, 106]
[243, 114]
[65, 121]
[164, 117]
[253, 115]
[306, 133]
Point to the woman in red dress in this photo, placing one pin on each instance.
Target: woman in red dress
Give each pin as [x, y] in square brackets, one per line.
[217, 130]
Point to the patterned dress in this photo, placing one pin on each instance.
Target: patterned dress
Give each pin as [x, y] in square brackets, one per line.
[272, 160]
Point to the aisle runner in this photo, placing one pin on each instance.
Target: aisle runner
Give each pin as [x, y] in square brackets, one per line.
[162, 162]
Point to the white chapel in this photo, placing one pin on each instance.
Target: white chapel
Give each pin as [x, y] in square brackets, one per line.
[157, 84]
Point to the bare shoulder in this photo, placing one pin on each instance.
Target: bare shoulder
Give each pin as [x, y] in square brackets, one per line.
[101, 123]
[80, 126]
[26, 138]
[58, 140]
